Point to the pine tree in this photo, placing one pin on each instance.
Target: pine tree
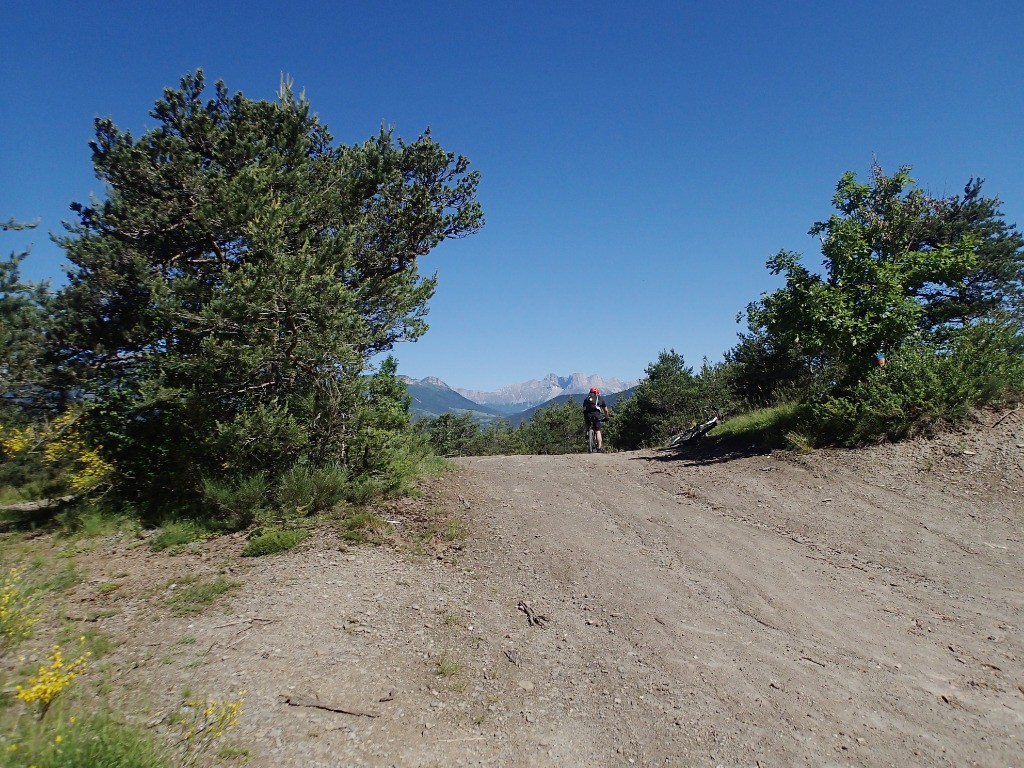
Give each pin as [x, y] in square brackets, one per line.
[227, 296]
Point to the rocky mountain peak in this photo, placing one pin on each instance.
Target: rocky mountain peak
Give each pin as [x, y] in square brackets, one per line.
[536, 391]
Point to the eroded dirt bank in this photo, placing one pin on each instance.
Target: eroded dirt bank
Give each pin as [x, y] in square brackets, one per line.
[841, 608]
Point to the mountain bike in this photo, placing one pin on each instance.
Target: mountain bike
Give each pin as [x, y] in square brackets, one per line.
[696, 432]
[592, 437]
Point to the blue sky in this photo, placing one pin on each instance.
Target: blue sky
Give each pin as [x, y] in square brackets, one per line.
[640, 161]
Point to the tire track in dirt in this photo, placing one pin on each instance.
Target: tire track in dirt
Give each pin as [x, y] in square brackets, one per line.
[761, 623]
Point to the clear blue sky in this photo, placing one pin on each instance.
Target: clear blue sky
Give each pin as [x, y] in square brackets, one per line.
[640, 161]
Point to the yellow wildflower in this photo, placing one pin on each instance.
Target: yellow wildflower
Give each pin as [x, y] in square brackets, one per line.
[17, 616]
[51, 679]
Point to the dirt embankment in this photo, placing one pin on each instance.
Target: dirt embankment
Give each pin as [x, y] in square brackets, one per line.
[841, 608]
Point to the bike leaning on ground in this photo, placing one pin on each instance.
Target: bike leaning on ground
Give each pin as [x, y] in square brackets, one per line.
[696, 432]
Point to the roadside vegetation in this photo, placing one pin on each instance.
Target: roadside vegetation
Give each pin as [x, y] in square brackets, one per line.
[59, 705]
[217, 361]
[915, 320]
[217, 358]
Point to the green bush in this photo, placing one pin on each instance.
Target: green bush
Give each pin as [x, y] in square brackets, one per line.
[923, 384]
[239, 500]
[273, 542]
[305, 490]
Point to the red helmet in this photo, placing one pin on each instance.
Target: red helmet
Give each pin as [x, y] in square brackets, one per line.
[595, 390]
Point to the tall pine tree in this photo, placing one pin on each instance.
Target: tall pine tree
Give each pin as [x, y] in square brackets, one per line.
[227, 295]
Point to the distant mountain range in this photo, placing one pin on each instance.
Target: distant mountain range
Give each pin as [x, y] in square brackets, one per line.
[432, 397]
[518, 397]
[518, 418]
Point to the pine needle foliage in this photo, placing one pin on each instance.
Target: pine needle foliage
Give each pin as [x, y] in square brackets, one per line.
[227, 297]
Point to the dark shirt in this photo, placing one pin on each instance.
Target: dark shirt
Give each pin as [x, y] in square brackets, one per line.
[589, 407]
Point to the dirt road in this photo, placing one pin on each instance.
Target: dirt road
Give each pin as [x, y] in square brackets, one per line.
[841, 608]
[767, 610]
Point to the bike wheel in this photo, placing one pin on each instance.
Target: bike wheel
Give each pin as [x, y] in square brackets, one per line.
[590, 441]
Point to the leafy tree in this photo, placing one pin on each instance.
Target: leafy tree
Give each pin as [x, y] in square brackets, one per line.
[498, 438]
[664, 402]
[227, 295]
[559, 428]
[763, 372]
[878, 268]
[450, 434]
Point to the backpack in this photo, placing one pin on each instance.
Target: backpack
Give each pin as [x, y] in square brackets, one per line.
[590, 404]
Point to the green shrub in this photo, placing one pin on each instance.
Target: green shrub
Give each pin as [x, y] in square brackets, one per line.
[305, 490]
[923, 384]
[273, 542]
[238, 500]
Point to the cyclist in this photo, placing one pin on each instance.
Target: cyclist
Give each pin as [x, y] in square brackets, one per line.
[593, 406]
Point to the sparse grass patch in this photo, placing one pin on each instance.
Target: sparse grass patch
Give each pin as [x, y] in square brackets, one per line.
[239, 754]
[361, 526]
[452, 620]
[65, 578]
[177, 533]
[455, 530]
[193, 596]
[273, 542]
[97, 643]
[798, 442]
[446, 666]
